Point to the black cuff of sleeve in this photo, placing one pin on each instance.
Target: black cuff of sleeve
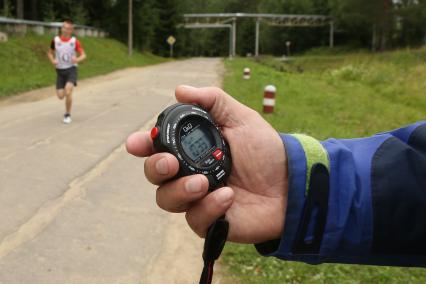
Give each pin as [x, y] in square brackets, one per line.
[268, 247]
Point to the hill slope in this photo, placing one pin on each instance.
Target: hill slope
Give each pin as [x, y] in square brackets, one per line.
[24, 64]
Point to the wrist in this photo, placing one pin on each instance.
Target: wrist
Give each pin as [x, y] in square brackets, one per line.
[302, 153]
[274, 226]
[282, 208]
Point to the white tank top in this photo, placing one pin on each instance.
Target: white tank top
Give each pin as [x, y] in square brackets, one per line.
[65, 51]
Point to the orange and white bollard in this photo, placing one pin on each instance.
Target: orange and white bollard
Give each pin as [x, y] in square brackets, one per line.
[247, 73]
[269, 99]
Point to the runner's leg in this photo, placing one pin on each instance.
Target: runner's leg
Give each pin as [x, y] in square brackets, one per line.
[60, 85]
[60, 93]
[68, 93]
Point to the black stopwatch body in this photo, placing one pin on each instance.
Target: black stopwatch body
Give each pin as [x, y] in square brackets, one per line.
[189, 133]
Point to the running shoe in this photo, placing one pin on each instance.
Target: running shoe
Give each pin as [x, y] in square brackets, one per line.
[67, 118]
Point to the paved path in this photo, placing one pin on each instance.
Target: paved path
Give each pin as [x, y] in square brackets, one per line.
[74, 206]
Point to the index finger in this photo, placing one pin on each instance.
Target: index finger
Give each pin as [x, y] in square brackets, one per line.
[219, 104]
[140, 144]
[205, 97]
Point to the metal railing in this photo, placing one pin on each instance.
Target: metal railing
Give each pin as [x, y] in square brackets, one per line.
[21, 27]
[229, 20]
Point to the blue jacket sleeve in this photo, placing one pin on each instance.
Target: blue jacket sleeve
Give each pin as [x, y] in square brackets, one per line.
[365, 203]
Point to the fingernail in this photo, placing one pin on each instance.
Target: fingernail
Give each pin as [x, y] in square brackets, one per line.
[193, 185]
[224, 196]
[187, 87]
[162, 167]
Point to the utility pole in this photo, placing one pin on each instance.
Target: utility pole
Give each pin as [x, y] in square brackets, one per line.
[130, 42]
[256, 48]
[231, 37]
[331, 34]
[234, 36]
[288, 44]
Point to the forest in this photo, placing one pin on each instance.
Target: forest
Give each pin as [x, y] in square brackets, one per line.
[375, 25]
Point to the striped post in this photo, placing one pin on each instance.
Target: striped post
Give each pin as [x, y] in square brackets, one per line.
[247, 73]
[269, 99]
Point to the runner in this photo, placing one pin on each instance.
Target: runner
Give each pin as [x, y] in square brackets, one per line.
[63, 55]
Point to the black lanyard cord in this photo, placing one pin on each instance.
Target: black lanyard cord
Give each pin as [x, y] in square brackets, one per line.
[213, 246]
[207, 275]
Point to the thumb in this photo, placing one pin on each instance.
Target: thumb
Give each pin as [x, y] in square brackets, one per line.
[221, 106]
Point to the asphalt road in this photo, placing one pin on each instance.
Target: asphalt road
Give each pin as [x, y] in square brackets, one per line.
[74, 206]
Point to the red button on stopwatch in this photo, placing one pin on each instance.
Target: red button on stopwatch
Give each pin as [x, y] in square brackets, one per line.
[218, 154]
[154, 133]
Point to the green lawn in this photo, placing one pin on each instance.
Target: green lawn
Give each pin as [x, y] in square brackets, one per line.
[24, 64]
[325, 96]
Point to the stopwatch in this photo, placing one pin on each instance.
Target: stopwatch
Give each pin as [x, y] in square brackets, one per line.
[189, 133]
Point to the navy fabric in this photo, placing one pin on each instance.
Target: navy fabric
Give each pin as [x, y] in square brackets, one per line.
[349, 226]
[399, 199]
[369, 178]
[418, 139]
[404, 133]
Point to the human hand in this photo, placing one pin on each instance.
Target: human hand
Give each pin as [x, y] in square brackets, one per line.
[74, 60]
[54, 62]
[255, 198]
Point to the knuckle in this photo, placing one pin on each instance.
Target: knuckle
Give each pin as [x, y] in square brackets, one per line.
[159, 198]
[179, 88]
[218, 91]
[148, 170]
[146, 167]
[168, 202]
[194, 225]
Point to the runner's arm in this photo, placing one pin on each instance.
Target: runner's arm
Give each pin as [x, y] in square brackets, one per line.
[51, 53]
[82, 54]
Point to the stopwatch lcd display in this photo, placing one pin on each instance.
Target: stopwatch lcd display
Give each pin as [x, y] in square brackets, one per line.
[197, 142]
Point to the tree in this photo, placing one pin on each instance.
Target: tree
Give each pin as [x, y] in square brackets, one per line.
[34, 10]
[378, 24]
[410, 22]
[20, 9]
[7, 9]
[369, 21]
[147, 20]
[168, 19]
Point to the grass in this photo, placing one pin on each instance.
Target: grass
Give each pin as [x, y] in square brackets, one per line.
[243, 261]
[341, 96]
[354, 95]
[24, 64]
